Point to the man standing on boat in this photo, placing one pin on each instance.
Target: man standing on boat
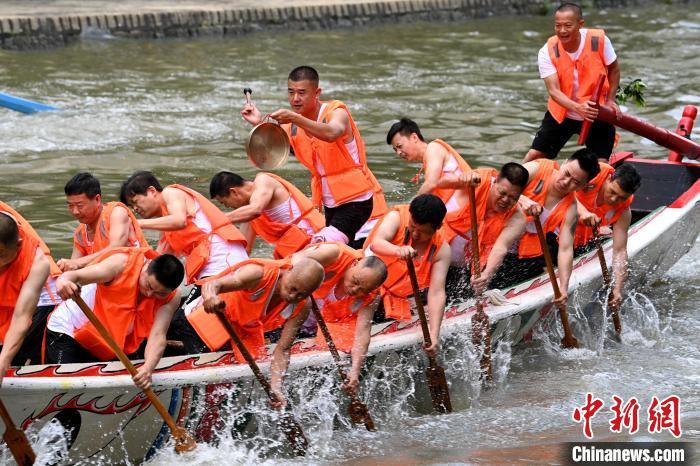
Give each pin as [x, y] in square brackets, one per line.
[133, 292]
[550, 196]
[500, 221]
[605, 203]
[192, 227]
[258, 296]
[28, 294]
[347, 299]
[441, 164]
[570, 64]
[325, 139]
[413, 231]
[270, 207]
[102, 226]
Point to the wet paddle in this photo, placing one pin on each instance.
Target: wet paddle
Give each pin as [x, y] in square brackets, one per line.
[16, 440]
[481, 326]
[569, 340]
[359, 414]
[607, 280]
[586, 126]
[288, 425]
[437, 382]
[183, 441]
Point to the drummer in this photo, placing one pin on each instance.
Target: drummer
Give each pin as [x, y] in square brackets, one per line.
[325, 139]
[270, 207]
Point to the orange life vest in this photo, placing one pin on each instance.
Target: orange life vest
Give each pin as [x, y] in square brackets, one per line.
[445, 193]
[127, 315]
[288, 238]
[397, 287]
[537, 189]
[346, 179]
[13, 277]
[27, 227]
[589, 66]
[247, 310]
[100, 241]
[193, 242]
[341, 315]
[608, 213]
[458, 222]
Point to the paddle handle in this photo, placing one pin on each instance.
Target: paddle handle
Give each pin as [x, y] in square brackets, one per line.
[476, 265]
[155, 401]
[419, 302]
[607, 280]
[247, 356]
[327, 335]
[586, 126]
[552, 277]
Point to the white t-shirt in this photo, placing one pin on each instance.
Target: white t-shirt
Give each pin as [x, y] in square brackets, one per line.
[222, 254]
[68, 317]
[547, 67]
[287, 212]
[326, 196]
[49, 296]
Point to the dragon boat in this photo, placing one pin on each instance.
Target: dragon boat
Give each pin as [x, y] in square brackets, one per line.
[111, 420]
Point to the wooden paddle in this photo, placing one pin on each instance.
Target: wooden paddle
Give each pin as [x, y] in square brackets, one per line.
[586, 126]
[16, 440]
[359, 414]
[607, 280]
[569, 340]
[437, 383]
[481, 326]
[183, 441]
[288, 425]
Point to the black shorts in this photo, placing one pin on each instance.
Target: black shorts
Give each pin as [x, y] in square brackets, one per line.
[349, 217]
[552, 136]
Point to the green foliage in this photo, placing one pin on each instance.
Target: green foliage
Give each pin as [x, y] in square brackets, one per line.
[632, 92]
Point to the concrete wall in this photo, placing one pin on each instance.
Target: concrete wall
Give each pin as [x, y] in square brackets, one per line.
[22, 33]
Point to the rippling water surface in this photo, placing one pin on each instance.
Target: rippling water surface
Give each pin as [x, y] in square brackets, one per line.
[172, 107]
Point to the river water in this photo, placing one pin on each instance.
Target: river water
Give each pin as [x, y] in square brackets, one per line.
[172, 107]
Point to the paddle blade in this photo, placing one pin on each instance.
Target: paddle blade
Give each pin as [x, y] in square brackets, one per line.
[359, 414]
[19, 446]
[569, 341]
[292, 430]
[183, 440]
[437, 383]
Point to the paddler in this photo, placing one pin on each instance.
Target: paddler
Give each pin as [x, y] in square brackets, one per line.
[550, 195]
[258, 296]
[269, 207]
[570, 64]
[413, 231]
[605, 203]
[27, 281]
[500, 221]
[347, 299]
[193, 228]
[441, 164]
[326, 140]
[133, 292]
[102, 225]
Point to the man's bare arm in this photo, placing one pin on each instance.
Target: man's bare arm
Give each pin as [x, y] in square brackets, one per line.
[280, 355]
[176, 202]
[263, 191]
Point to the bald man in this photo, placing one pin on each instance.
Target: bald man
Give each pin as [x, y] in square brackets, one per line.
[347, 299]
[256, 296]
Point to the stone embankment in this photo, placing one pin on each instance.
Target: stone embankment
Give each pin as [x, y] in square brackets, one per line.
[54, 23]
